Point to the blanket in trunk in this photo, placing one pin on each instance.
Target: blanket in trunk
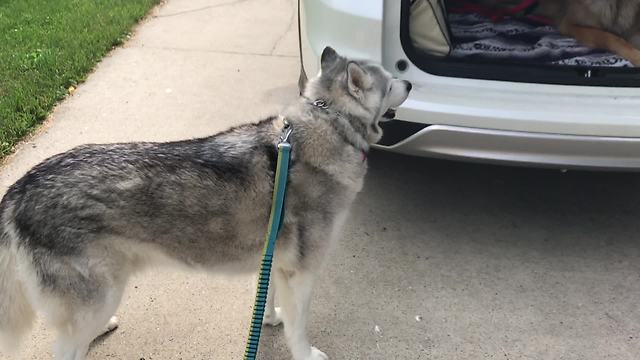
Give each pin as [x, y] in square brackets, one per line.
[475, 36]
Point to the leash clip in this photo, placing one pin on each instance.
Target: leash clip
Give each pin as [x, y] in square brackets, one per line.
[286, 132]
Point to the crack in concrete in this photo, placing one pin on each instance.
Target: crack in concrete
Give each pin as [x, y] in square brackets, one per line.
[612, 318]
[227, 52]
[230, 3]
[287, 30]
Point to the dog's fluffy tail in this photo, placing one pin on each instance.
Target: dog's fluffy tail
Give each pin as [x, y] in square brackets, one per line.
[16, 313]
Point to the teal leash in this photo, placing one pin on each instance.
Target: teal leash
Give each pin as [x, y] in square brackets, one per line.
[275, 223]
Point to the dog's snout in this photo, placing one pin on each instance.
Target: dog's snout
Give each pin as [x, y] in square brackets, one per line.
[408, 85]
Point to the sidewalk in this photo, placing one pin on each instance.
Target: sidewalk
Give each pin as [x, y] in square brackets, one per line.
[193, 68]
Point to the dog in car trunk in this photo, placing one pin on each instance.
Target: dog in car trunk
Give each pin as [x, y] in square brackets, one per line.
[613, 25]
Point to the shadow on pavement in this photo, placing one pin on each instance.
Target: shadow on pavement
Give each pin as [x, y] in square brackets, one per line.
[453, 260]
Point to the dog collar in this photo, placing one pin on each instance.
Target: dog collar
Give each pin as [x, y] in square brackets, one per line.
[322, 104]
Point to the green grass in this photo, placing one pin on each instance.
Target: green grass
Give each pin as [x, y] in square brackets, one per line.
[46, 46]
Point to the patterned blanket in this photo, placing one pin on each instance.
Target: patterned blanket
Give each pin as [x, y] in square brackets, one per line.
[519, 39]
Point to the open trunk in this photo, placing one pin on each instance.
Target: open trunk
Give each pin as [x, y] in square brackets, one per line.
[508, 41]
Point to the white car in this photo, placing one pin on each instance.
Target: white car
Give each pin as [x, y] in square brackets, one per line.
[469, 108]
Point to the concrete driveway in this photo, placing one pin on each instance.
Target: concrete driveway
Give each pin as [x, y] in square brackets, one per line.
[439, 260]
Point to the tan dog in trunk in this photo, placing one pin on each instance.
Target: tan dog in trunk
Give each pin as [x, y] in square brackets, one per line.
[613, 25]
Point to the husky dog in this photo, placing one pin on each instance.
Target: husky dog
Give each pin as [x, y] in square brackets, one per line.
[77, 225]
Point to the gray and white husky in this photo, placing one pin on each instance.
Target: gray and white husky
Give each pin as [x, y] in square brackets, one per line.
[78, 225]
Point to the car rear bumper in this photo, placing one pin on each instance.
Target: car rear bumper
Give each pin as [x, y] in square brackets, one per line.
[523, 148]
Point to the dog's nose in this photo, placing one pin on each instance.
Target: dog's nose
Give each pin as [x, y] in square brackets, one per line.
[408, 85]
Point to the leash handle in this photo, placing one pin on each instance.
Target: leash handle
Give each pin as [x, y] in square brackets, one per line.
[275, 223]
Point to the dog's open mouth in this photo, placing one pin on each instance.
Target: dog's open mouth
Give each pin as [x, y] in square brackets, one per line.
[390, 114]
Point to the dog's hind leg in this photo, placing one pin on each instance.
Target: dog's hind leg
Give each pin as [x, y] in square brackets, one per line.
[601, 39]
[83, 324]
[294, 295]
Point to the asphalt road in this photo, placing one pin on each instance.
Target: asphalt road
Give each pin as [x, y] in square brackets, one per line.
[440, 260]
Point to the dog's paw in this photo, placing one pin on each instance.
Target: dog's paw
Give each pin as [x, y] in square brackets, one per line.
[112, 324]
[635, 57]
[317, 355]
[273, 318]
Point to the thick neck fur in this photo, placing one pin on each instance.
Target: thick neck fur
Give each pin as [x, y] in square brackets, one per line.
[320, 142]
[352, 120]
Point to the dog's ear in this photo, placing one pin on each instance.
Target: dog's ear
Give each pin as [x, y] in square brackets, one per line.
[357, 79]
[328, 58]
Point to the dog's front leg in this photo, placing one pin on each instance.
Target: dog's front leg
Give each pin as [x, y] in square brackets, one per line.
[294, 295]
[272, 313]
[601, 39]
